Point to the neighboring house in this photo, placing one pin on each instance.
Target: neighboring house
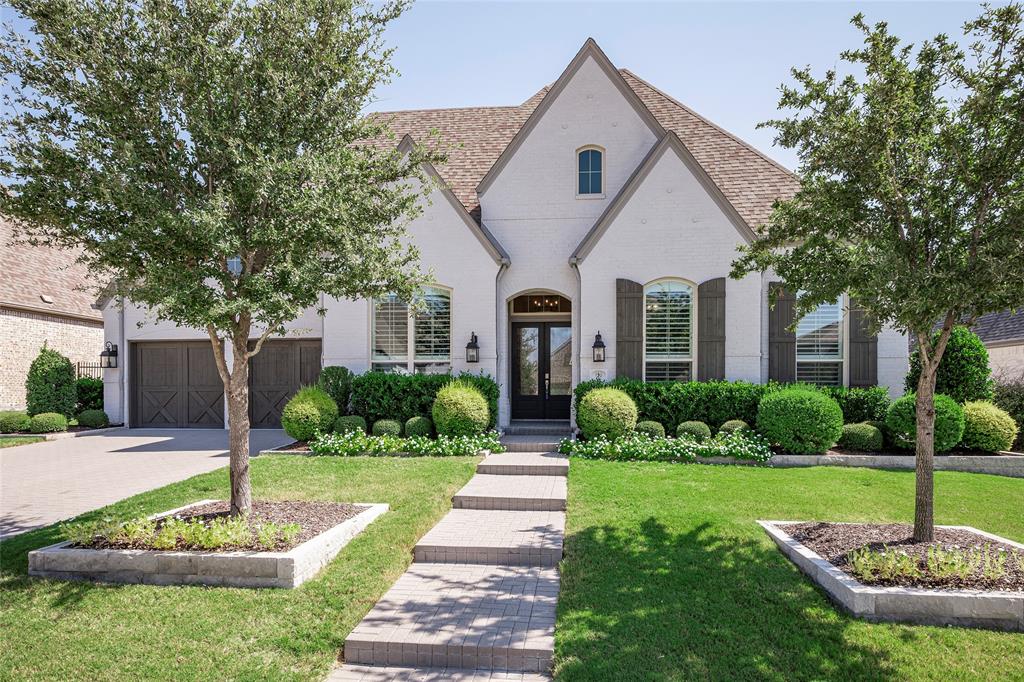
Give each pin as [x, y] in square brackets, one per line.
[599, 205]
[1003, 336]
[42, 301]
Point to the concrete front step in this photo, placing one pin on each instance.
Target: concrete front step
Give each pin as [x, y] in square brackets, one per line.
[531, 443]
[365, 673]
[504, 538]
[525, 464]
[461, 616]
[512, 493]
[538, 427]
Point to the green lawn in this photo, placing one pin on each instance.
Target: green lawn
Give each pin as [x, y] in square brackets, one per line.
[12, 441]
[76, 631]
[667, 577]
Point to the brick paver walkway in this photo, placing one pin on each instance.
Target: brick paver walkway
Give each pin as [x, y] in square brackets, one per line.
[48, 482]
[478, 603]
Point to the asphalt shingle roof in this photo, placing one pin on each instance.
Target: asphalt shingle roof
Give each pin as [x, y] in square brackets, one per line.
[1001, 326]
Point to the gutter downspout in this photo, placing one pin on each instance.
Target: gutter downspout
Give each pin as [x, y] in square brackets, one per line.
[577, 315]
[503, 265]
[124, 367]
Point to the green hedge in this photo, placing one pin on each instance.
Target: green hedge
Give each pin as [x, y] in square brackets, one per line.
[382, 395]
[93, 419]
[349, 423]
[337, 382]
[864, 437]
[50, 385]
[89, 392]
[859, 404]
[13, 421]
[48, 422]
[1010, 397]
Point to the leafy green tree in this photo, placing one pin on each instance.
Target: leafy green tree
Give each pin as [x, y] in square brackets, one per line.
[208, 157]
[911, 167]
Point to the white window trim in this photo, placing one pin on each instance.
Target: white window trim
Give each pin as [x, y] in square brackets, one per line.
[843, 360]
[576, 172]
[692, 358]
[409, 364]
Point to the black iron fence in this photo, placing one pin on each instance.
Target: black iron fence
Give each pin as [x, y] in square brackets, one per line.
[88, 369]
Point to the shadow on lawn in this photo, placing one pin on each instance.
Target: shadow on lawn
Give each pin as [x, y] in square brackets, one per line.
[657, 605]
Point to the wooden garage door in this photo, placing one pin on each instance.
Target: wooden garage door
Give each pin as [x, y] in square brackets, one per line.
[176, 385]
[275, 374]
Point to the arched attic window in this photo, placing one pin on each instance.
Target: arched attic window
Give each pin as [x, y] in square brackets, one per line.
[590, 171]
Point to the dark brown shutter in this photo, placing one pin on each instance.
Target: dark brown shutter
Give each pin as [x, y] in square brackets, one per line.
[711, 330]
[629, 329]
[863, 348]
[781, 341]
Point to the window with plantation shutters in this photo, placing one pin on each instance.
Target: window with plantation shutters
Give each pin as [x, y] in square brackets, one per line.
[819, 346]
[433, 331]
[668, 331]
[412, 343]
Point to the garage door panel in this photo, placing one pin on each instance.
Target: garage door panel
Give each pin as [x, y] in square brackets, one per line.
[176, 385]
[275, 374]
[159, 407]
[205, 408]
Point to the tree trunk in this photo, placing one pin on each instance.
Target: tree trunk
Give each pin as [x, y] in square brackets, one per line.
[924, 521]
[238, 432]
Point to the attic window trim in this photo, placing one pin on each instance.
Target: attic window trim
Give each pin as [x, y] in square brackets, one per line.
[602, 160]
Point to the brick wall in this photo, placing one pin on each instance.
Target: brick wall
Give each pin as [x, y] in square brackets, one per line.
[22, 334]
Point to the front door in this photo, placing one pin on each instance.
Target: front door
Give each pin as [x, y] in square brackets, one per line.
[541, 370]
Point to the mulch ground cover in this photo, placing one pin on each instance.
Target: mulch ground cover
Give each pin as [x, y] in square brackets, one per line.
[835, 541]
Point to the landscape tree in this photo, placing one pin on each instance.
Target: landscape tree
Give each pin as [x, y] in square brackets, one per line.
[911, 167]
[209, 157]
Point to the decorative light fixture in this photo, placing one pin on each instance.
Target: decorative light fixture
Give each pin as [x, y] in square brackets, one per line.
[598, 348]
[472, 349]
[108, 356]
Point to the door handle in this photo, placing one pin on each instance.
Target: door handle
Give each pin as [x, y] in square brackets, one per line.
[547, 385]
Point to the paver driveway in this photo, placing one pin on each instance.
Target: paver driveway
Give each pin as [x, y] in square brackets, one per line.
[48, 482]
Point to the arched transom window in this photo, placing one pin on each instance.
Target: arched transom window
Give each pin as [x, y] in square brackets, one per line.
[590, 167]
[668, 331]
[420, 343]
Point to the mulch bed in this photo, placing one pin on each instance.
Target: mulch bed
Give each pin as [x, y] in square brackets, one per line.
[835, 541]
[313, 518]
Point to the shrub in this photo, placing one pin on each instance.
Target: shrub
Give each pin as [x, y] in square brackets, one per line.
[48, 422]
[881, 426]
[859, 404]
[349, 424]
[800, 420]
[50, 385]
[460, 409]
[93, 419]
[12, 422]
[862, 436]
[949, 422]
[310, 411]
[380, 395]
[742, 445]
[987, 427]
[337, 382]
[419, 426]
[355, 443]
[963, 372]
[1009, 395]
[652, 429]
[606, 412]
[698, 431]
[89, 394]
[734, 425]
[387, 427]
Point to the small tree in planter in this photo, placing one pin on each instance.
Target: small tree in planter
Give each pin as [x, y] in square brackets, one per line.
[910, 193]
[207, 157]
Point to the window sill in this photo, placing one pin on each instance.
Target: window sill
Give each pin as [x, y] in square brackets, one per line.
[585, 197]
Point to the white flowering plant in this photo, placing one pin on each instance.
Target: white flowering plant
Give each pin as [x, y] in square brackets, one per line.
[356, 443]
[742, 445]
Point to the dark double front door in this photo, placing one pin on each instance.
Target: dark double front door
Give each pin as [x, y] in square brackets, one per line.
[541, 370]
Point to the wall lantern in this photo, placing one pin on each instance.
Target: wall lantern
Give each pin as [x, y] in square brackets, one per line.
[598, 348]
[108, 356]
[472, 349]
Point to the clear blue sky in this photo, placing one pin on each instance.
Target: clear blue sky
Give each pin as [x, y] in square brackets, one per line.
[725, 60]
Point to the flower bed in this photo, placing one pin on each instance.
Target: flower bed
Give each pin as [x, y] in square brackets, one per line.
[738, 445]
[356, 443]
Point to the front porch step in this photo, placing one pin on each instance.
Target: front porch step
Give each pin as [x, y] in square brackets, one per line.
[539, 427]
[536, 443]
[525, 464]
[461, 616]
[512, 493]
[365, 673]
[504, 538]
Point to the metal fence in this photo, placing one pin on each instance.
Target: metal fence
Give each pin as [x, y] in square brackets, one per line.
[88, 369]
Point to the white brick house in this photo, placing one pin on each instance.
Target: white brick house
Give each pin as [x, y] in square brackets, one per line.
[599, 205]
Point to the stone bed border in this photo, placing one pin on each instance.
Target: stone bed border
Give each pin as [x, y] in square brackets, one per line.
[1001, 464]
[310, 453]
[61, 435]
[223, 569]
[992, 609]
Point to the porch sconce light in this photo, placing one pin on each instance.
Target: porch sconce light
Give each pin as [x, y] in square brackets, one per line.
[108, 356]
[472, 349]
[598, 348]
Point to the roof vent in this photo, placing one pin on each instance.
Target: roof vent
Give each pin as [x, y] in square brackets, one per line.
[46, 299]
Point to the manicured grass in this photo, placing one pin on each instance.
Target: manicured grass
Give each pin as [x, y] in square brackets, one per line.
[59, 630]
[12, 441]
[667, 577]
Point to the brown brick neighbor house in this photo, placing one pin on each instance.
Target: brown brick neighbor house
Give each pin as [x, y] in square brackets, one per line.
[43, 299]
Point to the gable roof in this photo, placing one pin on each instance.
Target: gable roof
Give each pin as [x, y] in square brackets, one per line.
[1000, 327]
[28, 273]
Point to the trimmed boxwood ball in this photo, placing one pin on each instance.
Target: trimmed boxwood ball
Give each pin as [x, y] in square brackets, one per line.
[419, 426]
[387, 427]
[652, 429]
[606, 412]
[350, 423]
[93, 419]
[880, 425]
[698, 431]
[800, 420]
[861, 437]
[734, 425]
[460, 409]
[13, 422]
[309, 412]
[48, 422]
[987, 427]
[949, 422]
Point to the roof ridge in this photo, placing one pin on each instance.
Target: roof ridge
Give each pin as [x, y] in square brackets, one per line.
[712, 124]
[409, 111]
